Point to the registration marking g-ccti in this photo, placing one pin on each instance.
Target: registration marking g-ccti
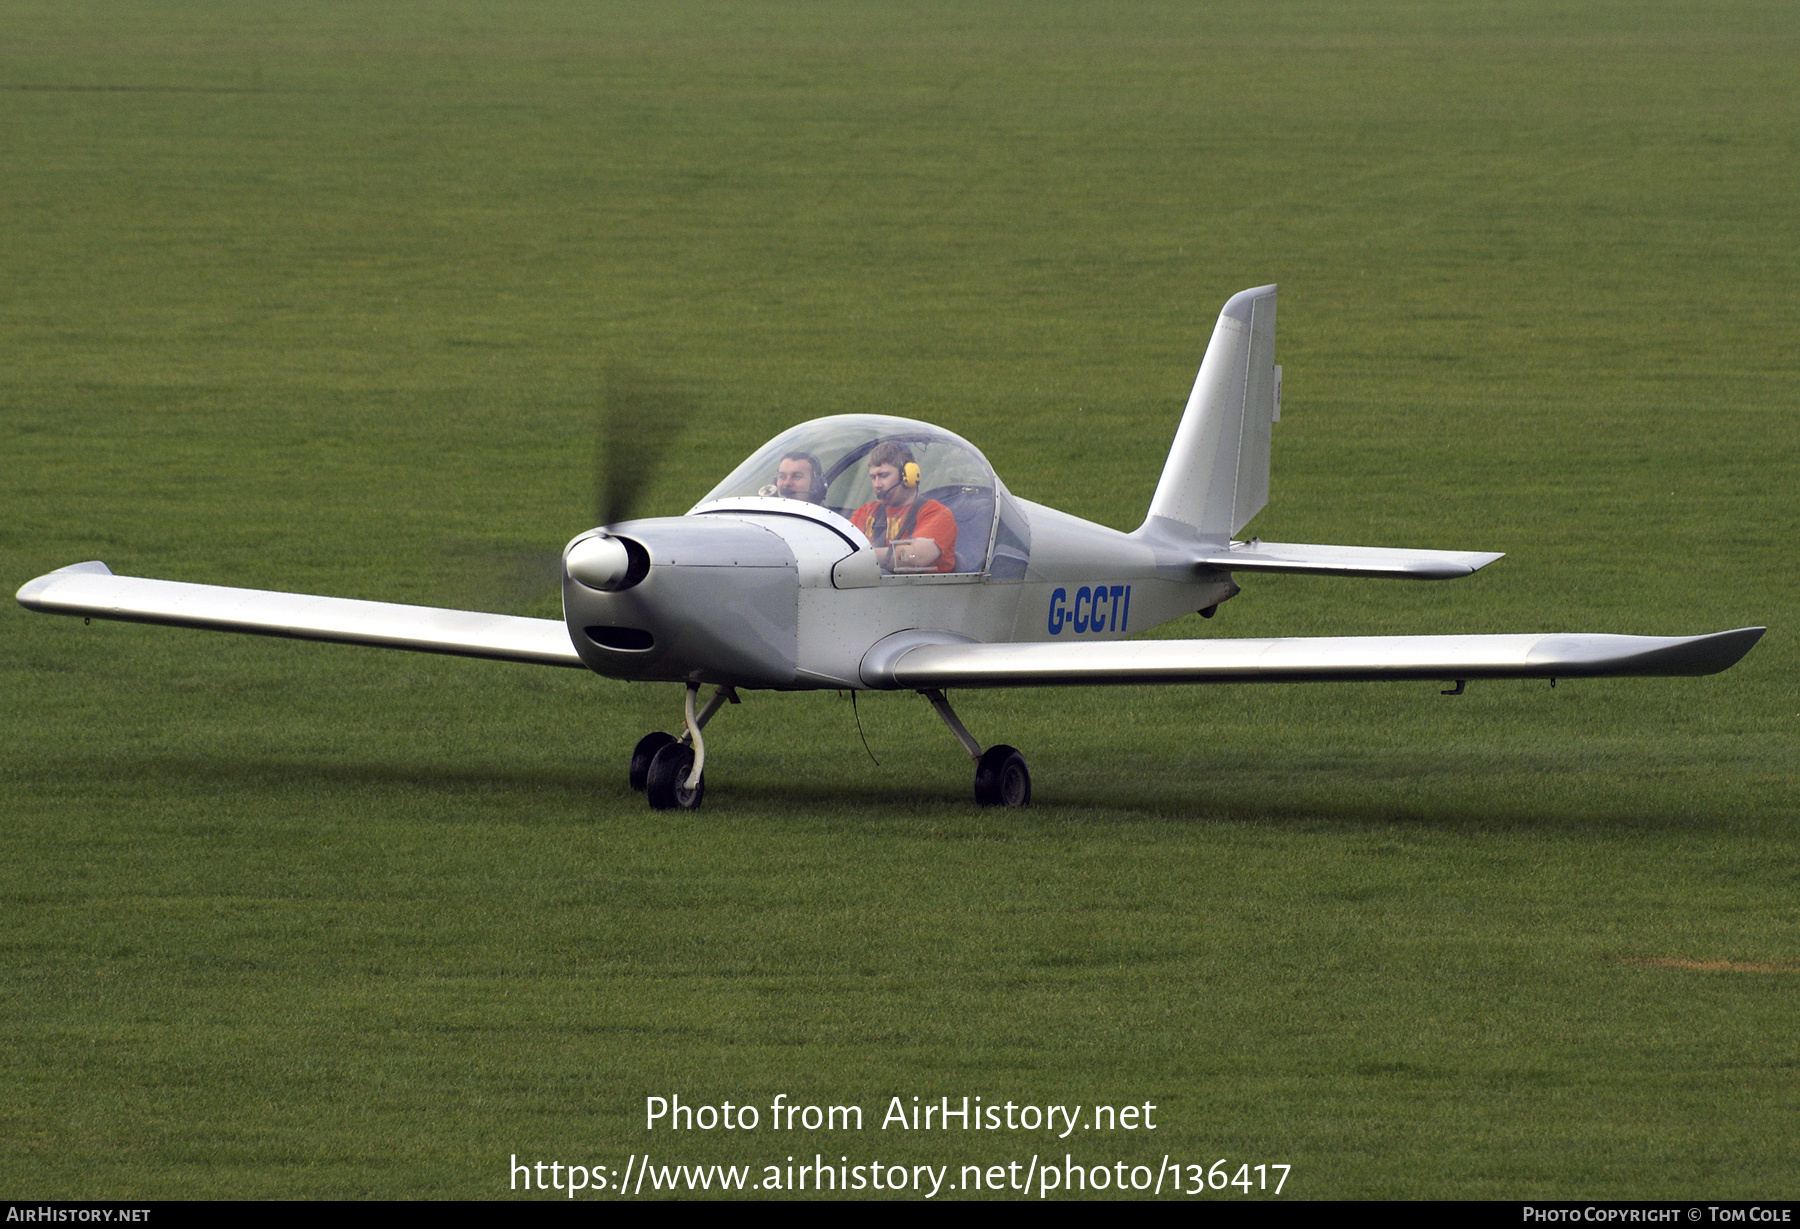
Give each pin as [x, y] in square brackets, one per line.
[1095, 608]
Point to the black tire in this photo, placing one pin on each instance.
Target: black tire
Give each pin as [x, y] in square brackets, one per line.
[1001, 778]
[643, 753]
[666, 786]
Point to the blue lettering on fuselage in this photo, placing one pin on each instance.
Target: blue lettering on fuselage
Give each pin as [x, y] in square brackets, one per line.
[1097, 609]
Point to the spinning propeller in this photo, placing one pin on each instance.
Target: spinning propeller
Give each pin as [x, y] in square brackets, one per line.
[640, 416]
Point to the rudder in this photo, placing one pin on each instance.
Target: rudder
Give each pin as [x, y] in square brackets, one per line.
[1217, 474]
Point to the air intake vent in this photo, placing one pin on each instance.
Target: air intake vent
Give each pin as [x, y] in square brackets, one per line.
[623, 639]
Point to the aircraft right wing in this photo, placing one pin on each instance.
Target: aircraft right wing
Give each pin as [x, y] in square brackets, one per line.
[91, 590]
[925, 660]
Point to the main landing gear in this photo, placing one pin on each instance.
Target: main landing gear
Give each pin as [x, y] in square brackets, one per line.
[1001, 778]
[668, 770]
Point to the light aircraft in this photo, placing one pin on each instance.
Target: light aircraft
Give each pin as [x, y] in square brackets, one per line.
[785, 577]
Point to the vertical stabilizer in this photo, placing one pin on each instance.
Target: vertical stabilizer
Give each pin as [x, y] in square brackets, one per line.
[1217, 474]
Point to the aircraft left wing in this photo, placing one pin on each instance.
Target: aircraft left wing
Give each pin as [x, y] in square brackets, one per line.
[919, 663]
[92, 590]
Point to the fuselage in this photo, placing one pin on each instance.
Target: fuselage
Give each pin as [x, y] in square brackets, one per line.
[792, 598]
[754, 590]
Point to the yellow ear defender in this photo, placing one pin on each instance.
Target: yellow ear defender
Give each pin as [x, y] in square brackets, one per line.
[909, 476]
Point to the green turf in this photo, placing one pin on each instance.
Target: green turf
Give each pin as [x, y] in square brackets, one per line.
[319, 297]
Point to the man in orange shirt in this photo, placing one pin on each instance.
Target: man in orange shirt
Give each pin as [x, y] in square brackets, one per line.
[910, 534]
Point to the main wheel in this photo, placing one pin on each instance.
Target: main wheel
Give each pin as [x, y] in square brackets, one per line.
[643, 753]
[1001, 778]
[666, 784]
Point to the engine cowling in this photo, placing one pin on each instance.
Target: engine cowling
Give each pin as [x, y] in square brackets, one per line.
[684, 599]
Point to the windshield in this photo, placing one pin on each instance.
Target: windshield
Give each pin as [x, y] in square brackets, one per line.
[827, 462]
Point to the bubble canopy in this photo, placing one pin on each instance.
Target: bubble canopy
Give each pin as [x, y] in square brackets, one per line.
[952, 471]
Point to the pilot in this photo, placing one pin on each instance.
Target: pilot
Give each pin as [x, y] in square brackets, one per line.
[910, 534]
[799, 476]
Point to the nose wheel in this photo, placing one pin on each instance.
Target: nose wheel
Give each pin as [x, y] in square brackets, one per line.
[670, 771]
[643, 753]
[672, 781]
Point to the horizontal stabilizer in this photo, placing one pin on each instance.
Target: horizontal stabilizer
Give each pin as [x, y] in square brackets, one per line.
[1346, 560]
[90, 589]
[1313, 659]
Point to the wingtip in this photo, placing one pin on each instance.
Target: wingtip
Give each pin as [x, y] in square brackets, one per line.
[1740, 641]
[31, 590]
[1721, 650]
[1577, 656]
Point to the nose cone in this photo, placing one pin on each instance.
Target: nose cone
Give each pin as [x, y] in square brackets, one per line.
[599, 562]
[687, 599]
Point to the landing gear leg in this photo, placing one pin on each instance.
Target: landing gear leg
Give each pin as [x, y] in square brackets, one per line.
[1001, 777]
[673, 773]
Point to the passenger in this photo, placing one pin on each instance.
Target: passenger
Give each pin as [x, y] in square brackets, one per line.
[910, 534]
[799, 476]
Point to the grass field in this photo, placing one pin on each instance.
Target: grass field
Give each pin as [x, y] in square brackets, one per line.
[318, 296]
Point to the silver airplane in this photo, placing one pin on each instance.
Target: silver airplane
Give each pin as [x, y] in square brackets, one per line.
[867, 552]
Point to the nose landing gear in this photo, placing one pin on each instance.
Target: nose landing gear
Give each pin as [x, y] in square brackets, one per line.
[643, 753]
[672, 781]
[668, 770]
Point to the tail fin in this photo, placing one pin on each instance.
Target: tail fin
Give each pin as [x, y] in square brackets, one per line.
[1217, 474]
